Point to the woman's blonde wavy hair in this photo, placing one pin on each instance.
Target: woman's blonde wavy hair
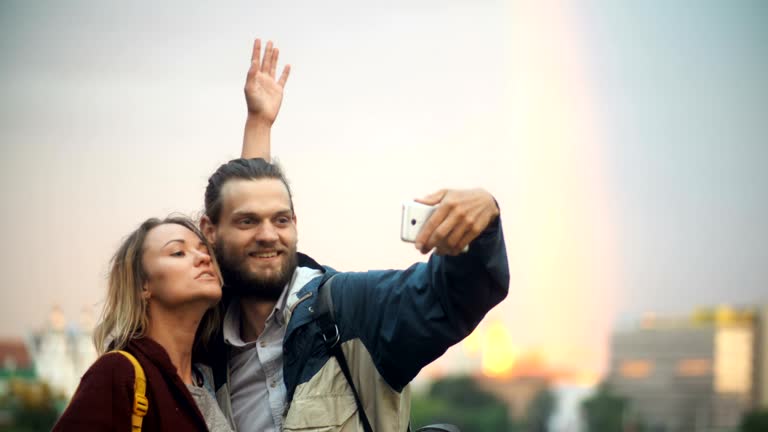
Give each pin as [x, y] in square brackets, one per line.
[124, 316]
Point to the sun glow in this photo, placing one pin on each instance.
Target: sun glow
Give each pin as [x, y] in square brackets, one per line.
[560, 234]
[498, 353]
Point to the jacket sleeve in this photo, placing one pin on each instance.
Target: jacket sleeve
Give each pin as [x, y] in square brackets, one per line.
[103, 400]
[408, 318]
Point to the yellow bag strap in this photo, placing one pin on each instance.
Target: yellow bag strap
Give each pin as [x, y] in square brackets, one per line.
[140, 402]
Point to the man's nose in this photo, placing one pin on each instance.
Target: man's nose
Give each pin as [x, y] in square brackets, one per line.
[267, 233]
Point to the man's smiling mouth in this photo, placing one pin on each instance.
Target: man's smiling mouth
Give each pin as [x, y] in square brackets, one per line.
[270, 254]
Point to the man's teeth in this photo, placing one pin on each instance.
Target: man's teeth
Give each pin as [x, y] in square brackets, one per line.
[264, 254]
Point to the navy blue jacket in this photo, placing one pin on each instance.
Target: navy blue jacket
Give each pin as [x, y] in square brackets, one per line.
[392, 323]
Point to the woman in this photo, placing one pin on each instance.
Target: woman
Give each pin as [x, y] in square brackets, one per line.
[163, 288]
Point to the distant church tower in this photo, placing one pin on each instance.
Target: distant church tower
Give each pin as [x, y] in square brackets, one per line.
[63, 353]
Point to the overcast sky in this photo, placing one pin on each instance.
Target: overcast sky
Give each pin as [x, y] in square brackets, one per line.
[626, 142]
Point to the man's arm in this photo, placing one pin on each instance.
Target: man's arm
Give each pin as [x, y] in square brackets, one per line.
[408, 318]
[263, 96]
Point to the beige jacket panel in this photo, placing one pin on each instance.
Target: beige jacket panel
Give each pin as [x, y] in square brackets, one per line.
[326, 404]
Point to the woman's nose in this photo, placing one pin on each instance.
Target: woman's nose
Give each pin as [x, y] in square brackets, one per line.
[202, 258]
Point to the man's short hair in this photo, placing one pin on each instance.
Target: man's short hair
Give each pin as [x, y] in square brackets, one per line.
[241, 169]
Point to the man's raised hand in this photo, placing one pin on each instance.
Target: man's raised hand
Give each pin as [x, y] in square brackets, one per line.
[264, 94]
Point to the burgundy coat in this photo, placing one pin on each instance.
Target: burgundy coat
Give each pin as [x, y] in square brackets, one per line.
[104, 399]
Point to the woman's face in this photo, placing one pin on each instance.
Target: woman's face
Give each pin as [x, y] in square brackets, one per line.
[179, 268]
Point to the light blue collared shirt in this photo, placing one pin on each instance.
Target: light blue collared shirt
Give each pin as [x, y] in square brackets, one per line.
[257, 390]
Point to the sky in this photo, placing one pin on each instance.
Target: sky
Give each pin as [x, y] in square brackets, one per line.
[624, 141]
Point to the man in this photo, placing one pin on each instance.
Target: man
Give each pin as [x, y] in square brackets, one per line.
[277, 373]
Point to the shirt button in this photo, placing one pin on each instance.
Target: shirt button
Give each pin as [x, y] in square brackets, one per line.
[274, 384]
[263, 344]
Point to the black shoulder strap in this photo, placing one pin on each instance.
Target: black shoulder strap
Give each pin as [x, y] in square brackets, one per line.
[329, 331]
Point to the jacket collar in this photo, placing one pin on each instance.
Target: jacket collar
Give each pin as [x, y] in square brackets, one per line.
[302, 312]
[307, 261]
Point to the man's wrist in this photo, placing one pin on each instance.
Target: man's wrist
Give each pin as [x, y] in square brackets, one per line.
[256, 138]
[258, 121]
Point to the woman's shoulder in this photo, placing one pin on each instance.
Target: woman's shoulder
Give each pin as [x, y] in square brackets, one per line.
[107, 384]
[111, 365]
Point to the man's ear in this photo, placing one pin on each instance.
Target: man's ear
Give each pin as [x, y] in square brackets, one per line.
[208, 229]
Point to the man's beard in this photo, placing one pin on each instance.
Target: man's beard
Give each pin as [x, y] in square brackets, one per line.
[241, 282]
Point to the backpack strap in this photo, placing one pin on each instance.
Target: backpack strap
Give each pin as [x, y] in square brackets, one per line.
[329, 331]
[140, 402]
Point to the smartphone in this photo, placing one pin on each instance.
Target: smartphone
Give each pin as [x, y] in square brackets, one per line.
[413, 219]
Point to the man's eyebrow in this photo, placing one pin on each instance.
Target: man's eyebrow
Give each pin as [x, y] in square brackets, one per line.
[241, 213]
[174, 240]
[255, 215]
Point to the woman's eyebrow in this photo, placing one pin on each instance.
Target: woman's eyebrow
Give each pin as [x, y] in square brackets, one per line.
[174, 240]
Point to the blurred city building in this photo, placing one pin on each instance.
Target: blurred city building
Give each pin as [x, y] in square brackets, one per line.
[528, 378]
[62, 352]
[15, 361]
[39, 374]
[22, 394]
[516, 392]
[517, 375]
[14, 358]
[696, 373]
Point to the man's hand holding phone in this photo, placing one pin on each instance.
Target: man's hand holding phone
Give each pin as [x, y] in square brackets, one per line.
[458, 218]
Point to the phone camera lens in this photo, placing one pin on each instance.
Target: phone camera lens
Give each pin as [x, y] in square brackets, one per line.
[413, 221]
